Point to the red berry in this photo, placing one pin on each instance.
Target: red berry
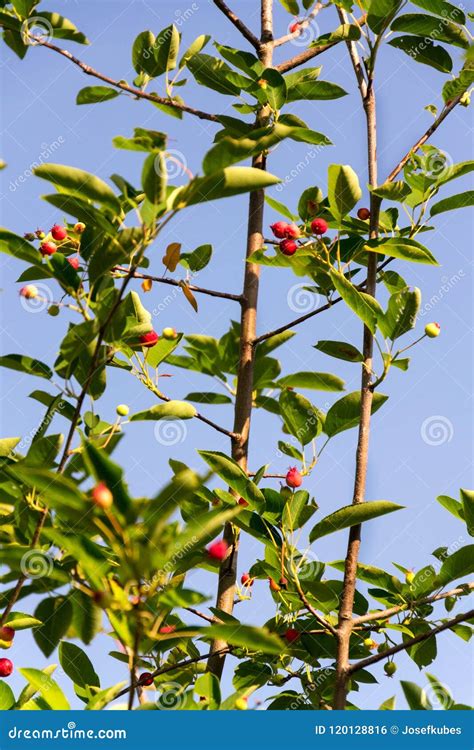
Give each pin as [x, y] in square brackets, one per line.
[149, 339]
[246, 580]
[319, 226]
[283, 582]
[102, 496]
[293, 478]
[48, 248]
[217, 550]
[146, 679]
[279, 229]
[292, 231]
[58, 233]
[74, 262]
[242, 501]
[6, 633]
[363, 214]
[29, 291]
[292, 635]
[6, 667]
[273, 585]
[167, 629]
[288, 247]
[294, 27]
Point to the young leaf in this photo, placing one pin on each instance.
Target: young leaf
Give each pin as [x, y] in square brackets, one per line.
[48, 688]
[318, 381]
[79, 183]
[461, 200]
[352, 515]
[96, 94]
[401, 313]
[170, 410]
[154, 178]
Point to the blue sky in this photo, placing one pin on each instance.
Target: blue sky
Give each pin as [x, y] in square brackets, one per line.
[411, 461]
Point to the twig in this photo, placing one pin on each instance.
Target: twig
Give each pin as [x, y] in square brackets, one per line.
[233, 18]
[203, 616]
[387, 613]
[355, 59]
[363, 663]
[201, 417]
[172, 282]
[327, 625]
[138, 93]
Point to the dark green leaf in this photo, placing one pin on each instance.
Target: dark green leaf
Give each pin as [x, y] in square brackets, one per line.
[352, 515]
[95, 94]
[345, 413]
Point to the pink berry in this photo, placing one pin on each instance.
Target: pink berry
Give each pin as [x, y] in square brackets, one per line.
[319, 226]
[6, 667]
[74, 262]
[167, 629]
[217, 550]
[279, 229]
[29, 291]
[58, 233]
[48, 248]
[288, 247]
[293, 478]
[149, 339]
[292, 231]
[246, 580]
[102, 496]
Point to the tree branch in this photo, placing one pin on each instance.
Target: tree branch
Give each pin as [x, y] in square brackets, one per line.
[233, 18]
[355, 59]
[327, 625]
[172, 282]
[302, 25]
[387, 613]
[363, 663]
[138, 93]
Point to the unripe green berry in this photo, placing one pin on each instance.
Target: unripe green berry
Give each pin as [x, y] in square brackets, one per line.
[53, 310]
[122, 410]
[390, 668]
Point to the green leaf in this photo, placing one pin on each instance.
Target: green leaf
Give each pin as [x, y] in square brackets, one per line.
[193, 49]
[280, 208]
[210, 398]
[301, 418]
[452, 505]
[79, 183]
[459, 85]
[198, 259]
[399, 247]
[47, 687]
[467, 497]
[424, 51]
[143, 54]
[143, 140]
[401, 313]
[29, 366]
[415, 696]
[340, 350]
[213, 73]
[365, 306]
[96, 94]
[105, 470]
[247, 636]
[228, 470]
[379, 14]
[345, 413]
[21, 621]
[318, 381]
[423, 25]
[77, 665]
[275, 90]
[343, 190]
[314, 91]
[55, 613]
[7, 446]
[207, 686]
[62, 27]
[17, 247]
[223, 184]
[7, 697]
[154, 178]
[290, 450]
[170, 410]
[104, 697]
[457, 565]
[59, 491]
[352, 515]
[461, 200]
[291, 6]
[309, 203]
[442, 9]
[393, 191]
[166, 49]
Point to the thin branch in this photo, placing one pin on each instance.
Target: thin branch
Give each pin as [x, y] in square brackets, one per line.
[138, 93]
[363, 663]
[327, 625]
[203, 616]
[355, 59]
[310, 53]
[387, 613]
[302, 25]
[201, 417]
[172, 282]
[233, 18]
[170, 668]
